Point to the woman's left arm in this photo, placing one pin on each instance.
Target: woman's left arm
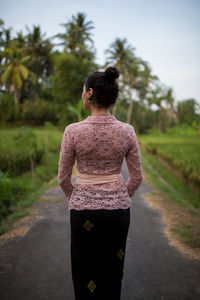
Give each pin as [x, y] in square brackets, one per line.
[66, 162]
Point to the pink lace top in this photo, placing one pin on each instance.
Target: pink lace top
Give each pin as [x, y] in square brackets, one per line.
[99, 143]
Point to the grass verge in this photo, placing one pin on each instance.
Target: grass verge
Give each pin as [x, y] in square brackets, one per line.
[177, 202]
[45, 176]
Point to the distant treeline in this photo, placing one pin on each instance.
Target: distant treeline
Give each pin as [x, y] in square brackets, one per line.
[39, 83]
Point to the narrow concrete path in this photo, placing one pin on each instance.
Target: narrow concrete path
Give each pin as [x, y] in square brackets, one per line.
[35, 257]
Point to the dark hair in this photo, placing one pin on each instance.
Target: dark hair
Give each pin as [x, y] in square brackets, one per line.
[105, 87]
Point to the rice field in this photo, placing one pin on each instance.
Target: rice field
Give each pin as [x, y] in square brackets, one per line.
[181, 152]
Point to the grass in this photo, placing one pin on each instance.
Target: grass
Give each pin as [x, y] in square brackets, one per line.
[26, 188]
[181, 152]
[43, 175]
[186, 210]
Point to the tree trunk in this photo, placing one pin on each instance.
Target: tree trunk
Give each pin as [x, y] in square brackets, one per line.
[16, 96]
[130, 109]
[35, 96]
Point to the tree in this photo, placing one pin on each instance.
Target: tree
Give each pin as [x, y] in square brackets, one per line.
[119, 53]
[155, 96]
[15, 71]
[77, 34]
[39, 49]
[5, 41]
[146, 78]
[70, 72]
[170, 103]
[186, 111]
[131, 78]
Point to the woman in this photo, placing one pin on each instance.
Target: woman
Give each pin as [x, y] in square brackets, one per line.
[99, 199]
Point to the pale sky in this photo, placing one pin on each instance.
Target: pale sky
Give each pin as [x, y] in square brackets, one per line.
[164, 32]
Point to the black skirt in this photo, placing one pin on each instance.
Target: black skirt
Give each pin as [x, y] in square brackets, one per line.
[98, 247]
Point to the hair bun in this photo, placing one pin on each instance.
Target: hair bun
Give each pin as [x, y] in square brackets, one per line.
[111, 73]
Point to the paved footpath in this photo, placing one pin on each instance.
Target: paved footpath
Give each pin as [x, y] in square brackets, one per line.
[35, 260]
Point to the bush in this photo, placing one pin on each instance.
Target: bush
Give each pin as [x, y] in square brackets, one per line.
[154, 131]
[38, 113]
[22, 153]
[7, 109]
[182, 129]
[6, 195]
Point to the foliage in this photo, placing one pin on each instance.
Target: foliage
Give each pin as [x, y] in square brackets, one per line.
[38, 112]
[183, 129]
[186, 111]
[40, 84]
[70, 72]
[6, 195]
[181, 152]
[7, 111]
[17, 148]
[19, 153]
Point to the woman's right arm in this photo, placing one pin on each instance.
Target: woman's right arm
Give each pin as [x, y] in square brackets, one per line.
[134, 163]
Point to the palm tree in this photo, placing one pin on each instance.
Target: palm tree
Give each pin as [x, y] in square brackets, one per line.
[15, 71]
[140, 78]
[77, 33]
[119, 54]
[131, 78]
[39, 49]
[170, 102]
[5, 40]
[157, 95]
[146, 78]
[20, 39]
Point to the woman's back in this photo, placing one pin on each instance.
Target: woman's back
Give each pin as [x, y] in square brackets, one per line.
[100, 144]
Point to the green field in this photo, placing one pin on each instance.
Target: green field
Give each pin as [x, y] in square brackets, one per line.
[28, 160]
[176, 192]
[182, 153]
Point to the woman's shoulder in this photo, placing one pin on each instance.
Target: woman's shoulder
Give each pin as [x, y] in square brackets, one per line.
[74, 125]
[119, 125]
[128, 127]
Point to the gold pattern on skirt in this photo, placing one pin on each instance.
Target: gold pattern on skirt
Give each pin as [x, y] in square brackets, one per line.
[88, 225]
[91, 285]
[120, 254]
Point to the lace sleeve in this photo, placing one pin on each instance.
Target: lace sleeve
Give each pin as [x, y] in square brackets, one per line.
[134, 164]
[66, 162]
